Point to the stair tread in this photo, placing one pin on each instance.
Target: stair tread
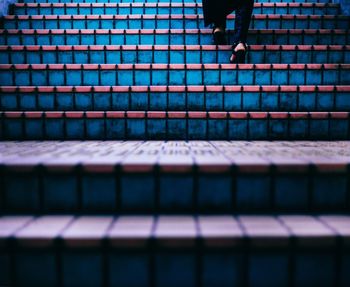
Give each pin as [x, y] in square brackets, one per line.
[181, 125]
[172, 66]
[172, 54]
[90, 231]
[169, 16]
[179, 21]
[178, 156]
[174, 74]
[168, 36]
[181, 31]
[172, 47]
[283, 98]
[168, 4]
[166, 1]
[189, 88]
[175, 114]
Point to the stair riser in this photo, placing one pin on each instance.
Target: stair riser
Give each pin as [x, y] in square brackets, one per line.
[136, 38]
[120, 56]
[171, 267]
[176, 129]
[46, 192]
[176, 101]
[337, 23]
[163, 10]
[175, 76]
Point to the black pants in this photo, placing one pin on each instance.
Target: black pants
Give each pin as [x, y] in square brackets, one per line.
[243, 10]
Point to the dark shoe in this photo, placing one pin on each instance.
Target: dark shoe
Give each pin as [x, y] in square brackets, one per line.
[238, 57]
[219, 37]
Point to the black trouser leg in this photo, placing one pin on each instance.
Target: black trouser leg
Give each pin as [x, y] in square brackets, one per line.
[243, 16]
[220, 22]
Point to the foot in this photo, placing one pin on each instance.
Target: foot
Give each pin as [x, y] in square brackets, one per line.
[219, 36]
[219, 29]
[240, 46]
[239, 51]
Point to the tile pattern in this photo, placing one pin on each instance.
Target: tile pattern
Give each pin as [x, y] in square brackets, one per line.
[203, 153]
[155, 125]
[259, 21]
[169, 37]
[139, 213]
[171, 54]
[160, 8]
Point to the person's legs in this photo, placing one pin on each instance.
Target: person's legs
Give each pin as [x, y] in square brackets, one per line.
[220, 22]
[243, 17]
[242, 21]
[219, 30]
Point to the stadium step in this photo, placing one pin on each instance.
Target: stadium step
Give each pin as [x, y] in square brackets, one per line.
[175, 98]
[137, 177]
[164, 8]
[173, 74]
[192, 250]
[171, 54]
[169, 37]
[260, 21]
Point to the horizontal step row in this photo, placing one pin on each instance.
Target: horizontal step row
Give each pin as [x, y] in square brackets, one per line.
[168, 37]
[178, 125]
[164, 8]
[174, 177]
[164, 230]
[176, 157]
[164, 1]
[171, 54]
[173, 74]
[176, 98]
[175, 251]
[259, 21]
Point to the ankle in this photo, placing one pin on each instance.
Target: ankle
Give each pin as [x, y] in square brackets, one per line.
[219, 29]
[240, 47]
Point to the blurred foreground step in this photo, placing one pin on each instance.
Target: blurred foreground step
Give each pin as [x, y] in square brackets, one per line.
[169, 37]
[174, 176]
[173, 251]
[259, 21]
[175, 98]
[171, 54]
[164, 8]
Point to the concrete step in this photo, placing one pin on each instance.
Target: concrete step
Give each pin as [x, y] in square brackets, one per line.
[175, 98]
[259, 21]
[164, 8]
[169, 37]
[173, 54]
[175, 250]
[176, 177]
[173, 74]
